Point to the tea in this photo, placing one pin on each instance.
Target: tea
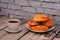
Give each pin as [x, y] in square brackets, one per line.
[13, 24]
[13, 21]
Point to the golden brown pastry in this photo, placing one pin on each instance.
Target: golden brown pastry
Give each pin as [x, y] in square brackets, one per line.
[33, 22]
[40, 18]
[40, 23]
[49, 23]
[41, 28]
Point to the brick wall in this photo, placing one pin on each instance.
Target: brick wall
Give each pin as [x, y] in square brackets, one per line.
[27, 8]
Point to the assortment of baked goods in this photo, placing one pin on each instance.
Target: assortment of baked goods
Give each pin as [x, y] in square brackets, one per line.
[49, 23]
[33, 22]
[40, 22]
[39, 28]
[40, 18]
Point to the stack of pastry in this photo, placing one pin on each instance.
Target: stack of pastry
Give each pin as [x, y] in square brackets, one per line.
[40, 22]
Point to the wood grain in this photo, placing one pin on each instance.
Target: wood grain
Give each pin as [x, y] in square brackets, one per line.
[23, 35]
[3, 33]
[28, 36]
[14, 36]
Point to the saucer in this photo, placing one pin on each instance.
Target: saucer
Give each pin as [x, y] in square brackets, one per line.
[13, 31]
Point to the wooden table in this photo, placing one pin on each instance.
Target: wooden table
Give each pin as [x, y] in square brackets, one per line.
[22, 35]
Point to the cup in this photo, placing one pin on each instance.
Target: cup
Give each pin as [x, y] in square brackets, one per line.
[13, 24]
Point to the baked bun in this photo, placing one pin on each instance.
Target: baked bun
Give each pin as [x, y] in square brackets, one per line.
[33, 22]
[40, 23]
[40, 18]
[40, 28]
[49, 23]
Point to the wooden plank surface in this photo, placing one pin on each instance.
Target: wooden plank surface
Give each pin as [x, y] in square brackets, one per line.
[2, 22]
[35, 37]
[23, 35]
[28, 36]
[2, 26]
[56, 38]
[14, 36]
[41, 37]
[3, 33]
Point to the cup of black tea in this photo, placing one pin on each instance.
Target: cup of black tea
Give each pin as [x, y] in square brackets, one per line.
[13, 24]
